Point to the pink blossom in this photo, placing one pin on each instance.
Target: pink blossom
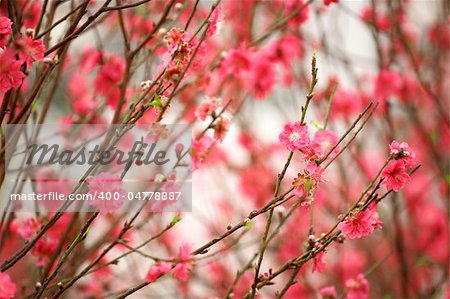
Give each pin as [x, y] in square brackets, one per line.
[261, 77]
[30, 50]
[319, 262]
[103, 184]
[285, 49]
[357, 288]
[395, 175]
[5, 30]
[215, 24]
[90, 58]
[221, 128]
[388, 83]
[28, 227]
[207, 107]
[295, 136]
[381, 23]
[108, 78]
[156, 271]
[7, 286]
[179, 51]
[184, 265]
[403, 152]
[358, 225]
[297, 5]
[44, 249]
[237, 61]
[328, 292]
[308, 180]
[31, 11]
[10, 74]
[323, 141]
[439, 34]
[328, 2]
[92, 288]
[200, 149]
[256, 182]
[184, 253]
[140, 24]
[346, 103]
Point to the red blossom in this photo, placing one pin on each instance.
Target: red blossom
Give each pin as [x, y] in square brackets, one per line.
[7, 286]
[30, 50]
[10, 74]
[395, 175]
[359, 224]
[5, 31]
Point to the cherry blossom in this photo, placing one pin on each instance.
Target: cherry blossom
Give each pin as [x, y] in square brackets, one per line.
[295, 136]
[30, 50]
[157, 270]
[10, 73]
[5, 30]
[359, 224]
[7, 286]
[184, 265]
[357, 288]
[395, 175]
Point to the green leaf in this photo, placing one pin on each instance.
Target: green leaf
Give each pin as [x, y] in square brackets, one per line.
[156, 102]
[308, 185]
[248, 224]
[175, 220]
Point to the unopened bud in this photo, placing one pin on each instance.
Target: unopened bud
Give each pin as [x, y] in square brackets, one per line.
[162, 31]
[29, 32]
[145, 85]
[179, 149]
[178, 7]
[48, 60]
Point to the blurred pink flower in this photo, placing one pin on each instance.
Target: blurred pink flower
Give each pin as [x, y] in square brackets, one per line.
[319, 262]
[7, 287]
[181, 270]
[5, 30]
[387, 83]
[357, 288]
[261, 77]
[237, 61]
[328, 292]
[323, 141]
[156, 271]
[200, 149]
[108, 78]
[207, 107]
[328, 2]
[221, 127]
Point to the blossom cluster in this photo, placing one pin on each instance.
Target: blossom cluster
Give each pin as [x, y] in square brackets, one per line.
[294, 195]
